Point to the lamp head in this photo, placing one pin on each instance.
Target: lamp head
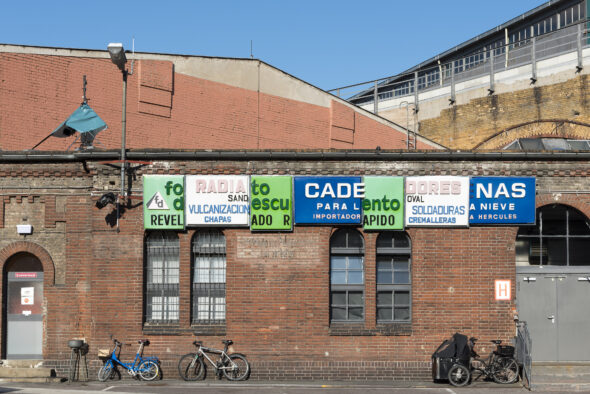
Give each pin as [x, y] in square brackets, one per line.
[117, 55]
[106, 199]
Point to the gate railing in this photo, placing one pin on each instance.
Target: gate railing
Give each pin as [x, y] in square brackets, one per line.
[523, 352]
[439, 80]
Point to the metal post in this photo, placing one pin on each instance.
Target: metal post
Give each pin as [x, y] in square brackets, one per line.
[507, 46]
[407, 122]
[375, 98]
[416, 91]
[534, 60]
[123, 132]
[580, 66]
[492, 76]
[452, 99]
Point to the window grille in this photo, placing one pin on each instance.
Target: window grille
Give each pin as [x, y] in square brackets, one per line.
[560, 237]
[347, 301]
[403, 89]
[428, 78]
[209, 267]
[162, 277]
[394, 279]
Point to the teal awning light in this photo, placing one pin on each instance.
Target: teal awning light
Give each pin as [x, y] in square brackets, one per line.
[83, 120]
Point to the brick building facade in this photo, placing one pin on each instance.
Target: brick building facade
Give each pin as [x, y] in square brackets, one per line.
[251, 119]
[277, 284]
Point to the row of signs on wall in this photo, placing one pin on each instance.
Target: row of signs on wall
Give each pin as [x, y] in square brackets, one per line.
[276, 203]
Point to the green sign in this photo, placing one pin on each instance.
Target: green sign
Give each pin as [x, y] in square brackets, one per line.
[271, 203]
[163, 202]
[383, 205]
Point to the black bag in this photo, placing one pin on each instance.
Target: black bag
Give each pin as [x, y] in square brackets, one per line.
[452, 351]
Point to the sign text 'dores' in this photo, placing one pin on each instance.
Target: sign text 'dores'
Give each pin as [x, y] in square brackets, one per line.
[440, 201]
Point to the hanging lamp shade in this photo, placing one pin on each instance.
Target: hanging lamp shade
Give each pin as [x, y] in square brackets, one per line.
[82, 120]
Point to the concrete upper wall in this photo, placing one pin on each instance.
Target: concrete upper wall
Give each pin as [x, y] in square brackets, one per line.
[559, 93]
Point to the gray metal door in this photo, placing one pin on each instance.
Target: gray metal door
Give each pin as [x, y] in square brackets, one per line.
[573, 317]
[537, 305]
[556, 308]
[24, 315]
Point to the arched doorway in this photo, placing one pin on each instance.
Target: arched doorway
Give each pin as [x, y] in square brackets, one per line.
[553, 283]
[23, 307]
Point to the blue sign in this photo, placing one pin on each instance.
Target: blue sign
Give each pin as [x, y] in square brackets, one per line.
[328, 200]
[500, 200]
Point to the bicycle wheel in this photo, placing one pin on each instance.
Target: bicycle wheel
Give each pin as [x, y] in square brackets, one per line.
[148, 370]
[191, 367]
[505, 370]
[236, 367]
[459, 375]
[106, 372]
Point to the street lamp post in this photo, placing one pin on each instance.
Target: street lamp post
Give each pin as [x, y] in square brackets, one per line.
[118, 57]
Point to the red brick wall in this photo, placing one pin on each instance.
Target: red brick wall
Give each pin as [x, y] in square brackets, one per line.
[277, 283]
[169, 110]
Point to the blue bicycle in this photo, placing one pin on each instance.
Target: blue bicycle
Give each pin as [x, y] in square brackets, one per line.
[147, 368]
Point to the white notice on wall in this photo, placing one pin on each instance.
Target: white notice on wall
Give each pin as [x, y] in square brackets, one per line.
[437, 201]
[217, 200]
[27, 295]
[503, 290]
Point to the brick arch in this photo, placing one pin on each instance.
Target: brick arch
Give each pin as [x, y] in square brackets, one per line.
[34, 249]
[571, 200]
[542, 128]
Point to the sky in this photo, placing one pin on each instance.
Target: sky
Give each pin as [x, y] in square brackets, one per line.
[327, 43]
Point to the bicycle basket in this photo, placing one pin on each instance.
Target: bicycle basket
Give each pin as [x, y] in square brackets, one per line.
[505, 350]
[104, 353]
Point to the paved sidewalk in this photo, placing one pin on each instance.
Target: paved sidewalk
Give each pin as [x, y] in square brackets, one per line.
[258, 387]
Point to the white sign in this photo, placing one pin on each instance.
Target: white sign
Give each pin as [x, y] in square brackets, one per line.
[217, 200]
[437, 201]
[503, 290]
[27, 295]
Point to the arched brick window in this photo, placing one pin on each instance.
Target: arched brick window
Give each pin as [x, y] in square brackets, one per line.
[561, 236]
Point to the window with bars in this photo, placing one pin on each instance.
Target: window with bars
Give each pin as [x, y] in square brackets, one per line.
[560, 237]
[162, 277]
[394, 279]
[209, 266]
[428, 78]
[474, 60]
[347, 301]
[403, 89]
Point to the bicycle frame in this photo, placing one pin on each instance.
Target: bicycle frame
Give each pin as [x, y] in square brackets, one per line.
[133, 367]
[486, 365]
[215, 364]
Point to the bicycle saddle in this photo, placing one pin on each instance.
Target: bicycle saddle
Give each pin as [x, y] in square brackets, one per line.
[144, 341]
[496, 341]
[200, 343]
[227, 342]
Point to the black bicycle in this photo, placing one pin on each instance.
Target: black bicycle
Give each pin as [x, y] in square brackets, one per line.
[500, 366]
[233, 366]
